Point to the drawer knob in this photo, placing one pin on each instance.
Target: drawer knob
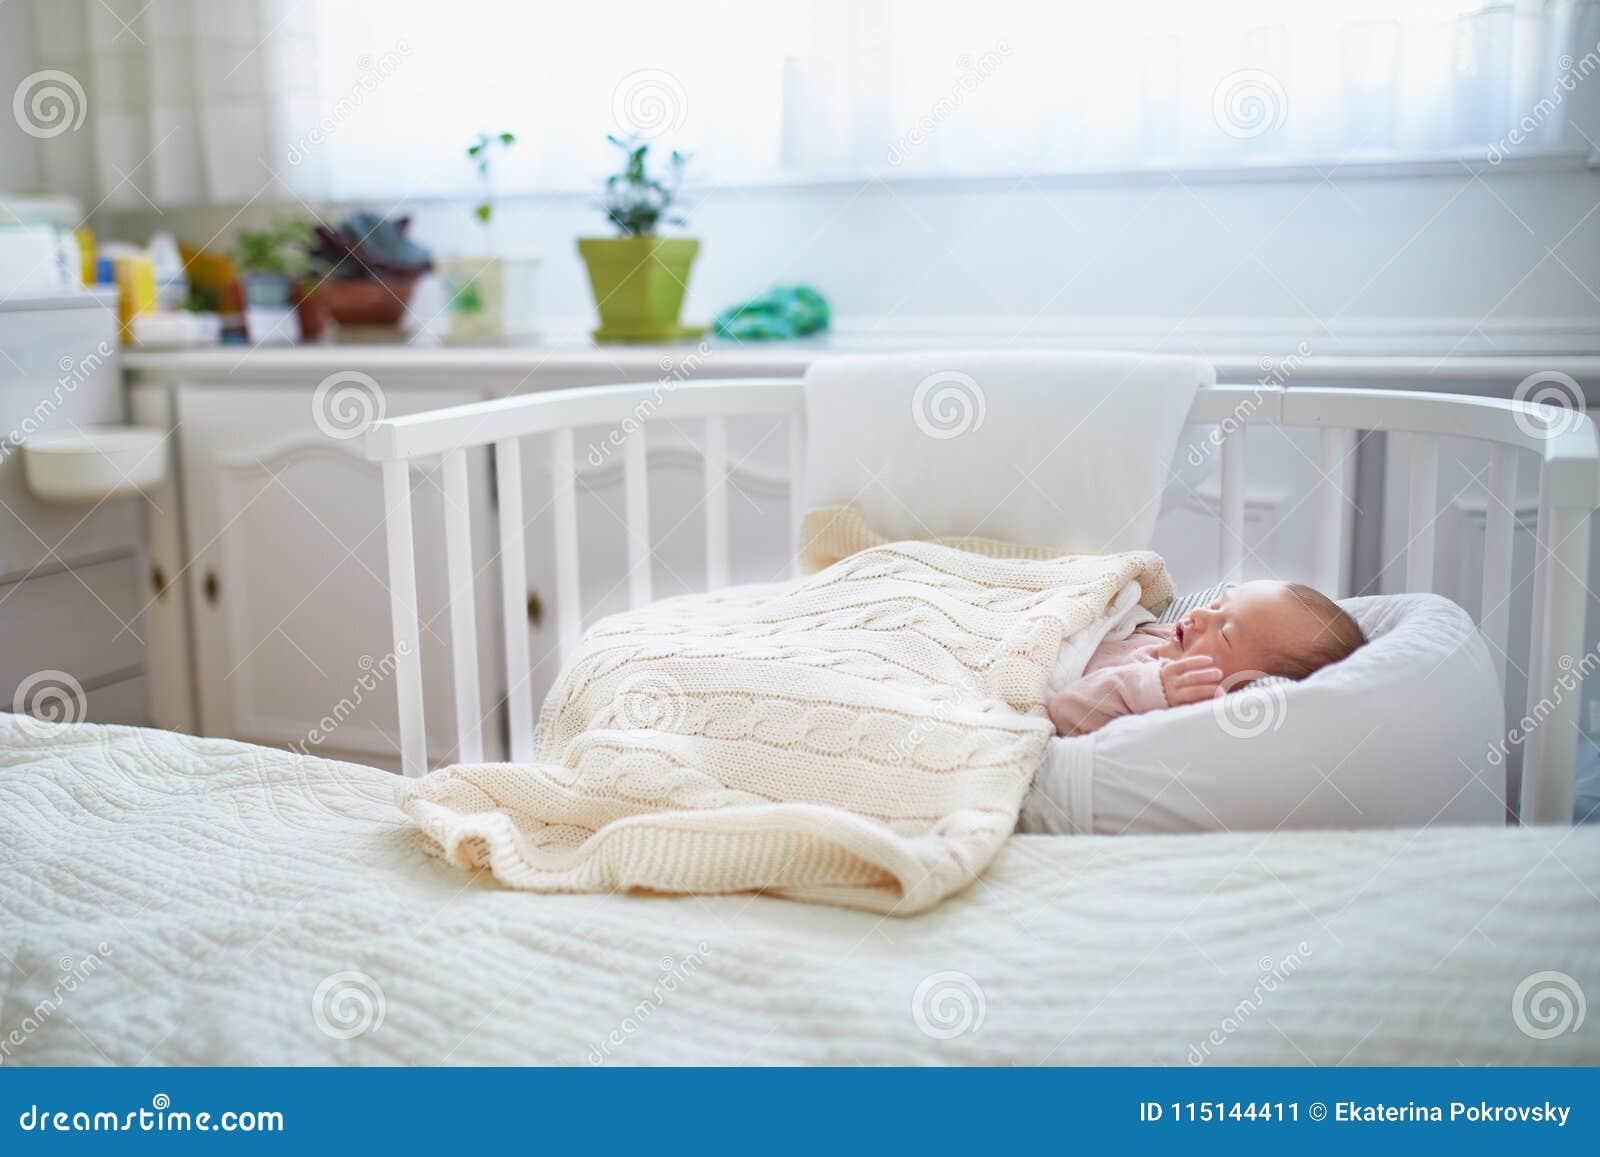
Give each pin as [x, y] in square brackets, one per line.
[535, 608]
[212, 587]
[158, 580]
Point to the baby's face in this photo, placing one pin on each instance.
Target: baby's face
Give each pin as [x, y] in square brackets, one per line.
[1244, 630]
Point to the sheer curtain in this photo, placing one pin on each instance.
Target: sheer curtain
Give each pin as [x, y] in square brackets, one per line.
[140, 103]
[223, 101]
[1008, 86]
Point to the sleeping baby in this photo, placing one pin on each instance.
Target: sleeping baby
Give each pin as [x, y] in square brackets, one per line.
[1254, 630]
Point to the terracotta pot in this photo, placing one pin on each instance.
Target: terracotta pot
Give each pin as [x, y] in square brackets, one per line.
[312, 311]
[367, 303]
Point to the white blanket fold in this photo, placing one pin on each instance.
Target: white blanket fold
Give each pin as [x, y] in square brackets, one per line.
[863, 736]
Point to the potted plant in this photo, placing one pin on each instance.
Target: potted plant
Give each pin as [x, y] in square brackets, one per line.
[270, 259]
[365, 269]
[639, 278]
[490, 295]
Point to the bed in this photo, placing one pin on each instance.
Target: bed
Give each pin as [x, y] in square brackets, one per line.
[171, 900]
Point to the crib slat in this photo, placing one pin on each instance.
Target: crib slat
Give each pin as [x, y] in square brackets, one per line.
[1424, 512]
[463, 611]
[1230, 535]
[636, 481]
[716, 461]
[564, 492]
[797, 488]
[403, 613]
[1333, 450]
[1549, 761]
[513, 597]
[1499, 541]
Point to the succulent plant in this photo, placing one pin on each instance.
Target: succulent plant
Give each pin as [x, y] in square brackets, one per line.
[369, 246]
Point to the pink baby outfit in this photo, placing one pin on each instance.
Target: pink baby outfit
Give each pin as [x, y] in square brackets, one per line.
[1122, 677]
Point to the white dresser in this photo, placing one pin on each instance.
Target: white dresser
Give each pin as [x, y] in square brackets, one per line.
[74, 582]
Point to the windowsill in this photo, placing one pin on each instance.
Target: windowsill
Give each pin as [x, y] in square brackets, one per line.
[1448, 164]
[1359, 168]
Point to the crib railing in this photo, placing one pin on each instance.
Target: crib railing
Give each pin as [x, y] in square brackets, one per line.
[1569, 491]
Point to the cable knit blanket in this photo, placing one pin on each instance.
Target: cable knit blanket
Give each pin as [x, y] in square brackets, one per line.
[863, 736]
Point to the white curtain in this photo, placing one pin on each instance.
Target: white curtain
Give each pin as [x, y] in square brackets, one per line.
[228, 101]
[184, 101]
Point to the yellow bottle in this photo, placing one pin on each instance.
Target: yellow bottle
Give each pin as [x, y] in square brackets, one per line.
[86, 253]
[136, 290]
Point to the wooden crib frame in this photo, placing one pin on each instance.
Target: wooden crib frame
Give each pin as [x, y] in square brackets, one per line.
[1569, 491]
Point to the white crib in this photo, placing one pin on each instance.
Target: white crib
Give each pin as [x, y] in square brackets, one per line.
[1569, 491]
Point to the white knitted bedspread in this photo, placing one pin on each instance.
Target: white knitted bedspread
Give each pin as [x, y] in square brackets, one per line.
[863, 736]
[216, 902]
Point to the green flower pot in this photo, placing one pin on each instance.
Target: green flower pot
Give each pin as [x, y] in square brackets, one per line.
[638, 285]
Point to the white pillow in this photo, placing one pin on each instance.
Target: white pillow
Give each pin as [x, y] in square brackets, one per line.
[1398, 734]
[1060, 448]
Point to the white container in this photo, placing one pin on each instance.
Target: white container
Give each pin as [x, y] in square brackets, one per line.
[176, 329]
[490, 298]
[94, 464]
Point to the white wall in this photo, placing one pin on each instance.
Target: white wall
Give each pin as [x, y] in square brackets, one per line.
[1325, 257]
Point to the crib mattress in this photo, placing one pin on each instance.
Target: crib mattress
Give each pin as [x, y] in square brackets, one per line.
[215, 902]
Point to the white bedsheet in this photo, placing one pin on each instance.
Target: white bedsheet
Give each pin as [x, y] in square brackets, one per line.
[226, 883]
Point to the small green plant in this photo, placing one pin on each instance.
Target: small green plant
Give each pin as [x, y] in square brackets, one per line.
[478, 153]
[635, 202]
[279, 248]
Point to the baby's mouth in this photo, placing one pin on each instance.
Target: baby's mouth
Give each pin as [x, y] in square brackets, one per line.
[1177, 634]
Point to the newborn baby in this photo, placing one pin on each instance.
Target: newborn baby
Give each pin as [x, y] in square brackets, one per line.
[1253, 630]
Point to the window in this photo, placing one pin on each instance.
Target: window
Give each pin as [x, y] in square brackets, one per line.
[377, 99]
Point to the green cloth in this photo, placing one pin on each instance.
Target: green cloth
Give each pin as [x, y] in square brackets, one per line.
[782, 312]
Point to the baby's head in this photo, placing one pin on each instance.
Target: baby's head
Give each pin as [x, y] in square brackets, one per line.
[1266, 628]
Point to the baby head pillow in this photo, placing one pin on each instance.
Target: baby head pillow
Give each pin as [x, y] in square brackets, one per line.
[1068, 449]
[1398, 734]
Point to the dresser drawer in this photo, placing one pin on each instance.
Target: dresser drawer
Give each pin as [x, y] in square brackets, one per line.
[86, 621]
[124, 702]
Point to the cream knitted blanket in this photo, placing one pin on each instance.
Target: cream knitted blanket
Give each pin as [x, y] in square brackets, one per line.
[863, 736]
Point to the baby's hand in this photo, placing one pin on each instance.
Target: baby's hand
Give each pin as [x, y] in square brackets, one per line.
[1190, 680]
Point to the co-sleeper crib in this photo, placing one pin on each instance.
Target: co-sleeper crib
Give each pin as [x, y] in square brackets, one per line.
[1569, 491]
